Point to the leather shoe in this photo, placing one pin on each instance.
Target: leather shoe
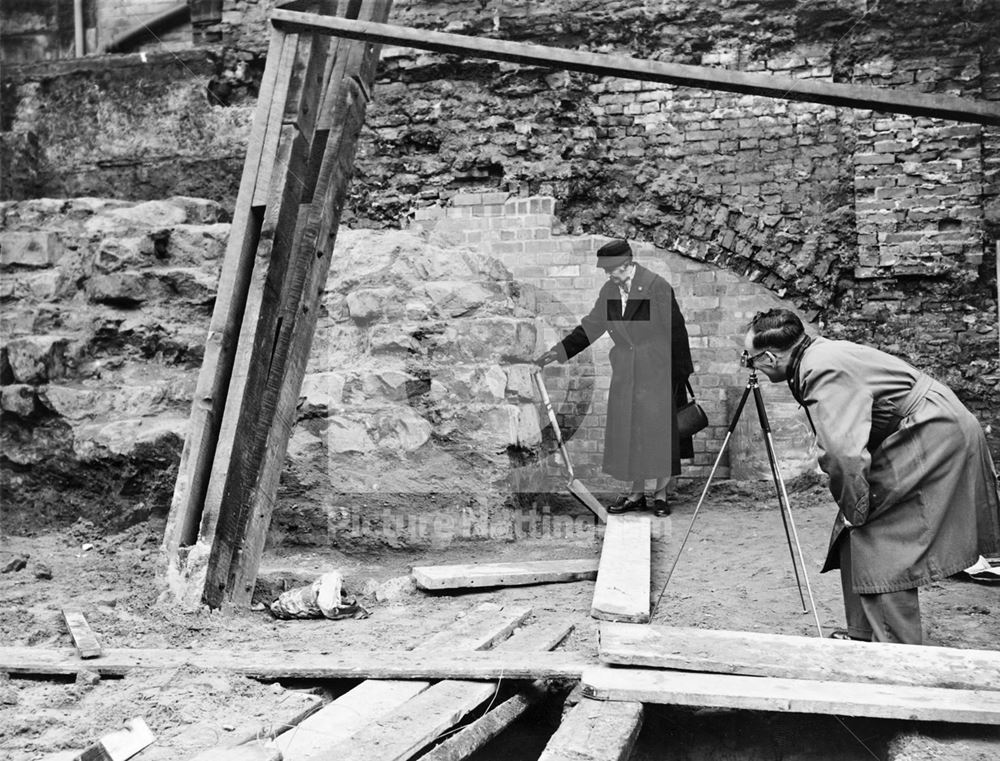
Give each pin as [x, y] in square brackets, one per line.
[661, 508]
[626, 503]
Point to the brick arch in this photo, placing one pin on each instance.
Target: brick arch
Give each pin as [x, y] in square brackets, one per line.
[717, 303]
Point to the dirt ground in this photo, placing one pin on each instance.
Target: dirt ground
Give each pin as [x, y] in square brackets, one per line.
[735, 573]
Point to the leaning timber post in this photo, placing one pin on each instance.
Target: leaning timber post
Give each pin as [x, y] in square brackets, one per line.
[184, 551]
[284, 154]
[244, 483]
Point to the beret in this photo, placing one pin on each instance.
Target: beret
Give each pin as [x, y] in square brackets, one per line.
[613, 254]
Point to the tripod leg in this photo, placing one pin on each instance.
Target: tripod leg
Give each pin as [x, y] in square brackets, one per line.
[711, 475]
[783, 506]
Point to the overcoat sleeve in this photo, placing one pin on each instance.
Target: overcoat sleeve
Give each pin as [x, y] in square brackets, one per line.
[841, 410]
[680, 346]
[591, 327]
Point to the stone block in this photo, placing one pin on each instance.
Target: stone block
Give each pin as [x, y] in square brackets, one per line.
[321, 391]
[345, 435]
[369, 304]
[402, 430]
[124, 289]
[520, 382]
[455, 298]
[37, 359]
[29, 249]
[18, 398]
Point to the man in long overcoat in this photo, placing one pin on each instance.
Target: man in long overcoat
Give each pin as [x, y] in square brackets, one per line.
[650, 365]
[909, 468]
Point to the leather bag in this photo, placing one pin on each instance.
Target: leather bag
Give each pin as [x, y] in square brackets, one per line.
[691, 418]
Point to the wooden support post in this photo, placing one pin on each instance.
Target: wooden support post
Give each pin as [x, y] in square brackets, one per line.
[264, 440]
[220, 347]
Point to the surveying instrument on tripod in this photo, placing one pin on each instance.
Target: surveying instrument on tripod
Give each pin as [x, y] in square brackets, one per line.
[791, 535]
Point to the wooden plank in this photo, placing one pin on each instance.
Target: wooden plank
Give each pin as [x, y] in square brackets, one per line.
[297, 325]
[754, 693]
[623, 577]
[282, 190]
[475, 735]
[780, 655]
[414, 725]
[279, 664]
[368, 701]
[87, 645]
[596, 731]
[770, 86]
[187, 503]
[121, 744]
[503, 574]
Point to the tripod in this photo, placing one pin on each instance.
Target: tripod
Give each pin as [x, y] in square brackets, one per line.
[783, 506]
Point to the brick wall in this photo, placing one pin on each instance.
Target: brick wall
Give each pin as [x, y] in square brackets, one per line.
[522, 233]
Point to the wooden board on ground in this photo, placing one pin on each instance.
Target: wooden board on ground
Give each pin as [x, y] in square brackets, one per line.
[83, 636]
[503, 574]
[121, 744]
[280, 664]
[780, 655]
[596, 730]
[414, 725]
[623, 577]
[370, 700]
[754, 693]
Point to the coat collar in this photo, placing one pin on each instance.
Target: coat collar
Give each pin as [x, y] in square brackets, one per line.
[641, 282]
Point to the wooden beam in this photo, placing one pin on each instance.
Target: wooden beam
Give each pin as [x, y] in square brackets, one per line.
[766, 85]
[87, 645]
[414, 725]
[268, 403]
[779, 655]
[463, 576]
[596, 731]
[371, 699]
[279, 664]
[475, 735]
[753, 693]
[623, 578]
[209, 404]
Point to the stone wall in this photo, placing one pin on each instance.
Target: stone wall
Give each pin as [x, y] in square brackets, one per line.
[418, 420]
[883, 228]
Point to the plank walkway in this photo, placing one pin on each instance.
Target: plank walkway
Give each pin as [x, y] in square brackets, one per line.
[754, 693]
[433, 577]
[623, 577]
[371, 700]
[414, 725]
[779, 655]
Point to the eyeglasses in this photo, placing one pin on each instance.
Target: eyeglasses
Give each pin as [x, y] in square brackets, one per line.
[746, 360]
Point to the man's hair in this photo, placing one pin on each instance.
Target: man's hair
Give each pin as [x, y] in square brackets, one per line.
[776, 329]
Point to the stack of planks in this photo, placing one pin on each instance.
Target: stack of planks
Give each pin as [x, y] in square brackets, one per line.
[774, 672]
